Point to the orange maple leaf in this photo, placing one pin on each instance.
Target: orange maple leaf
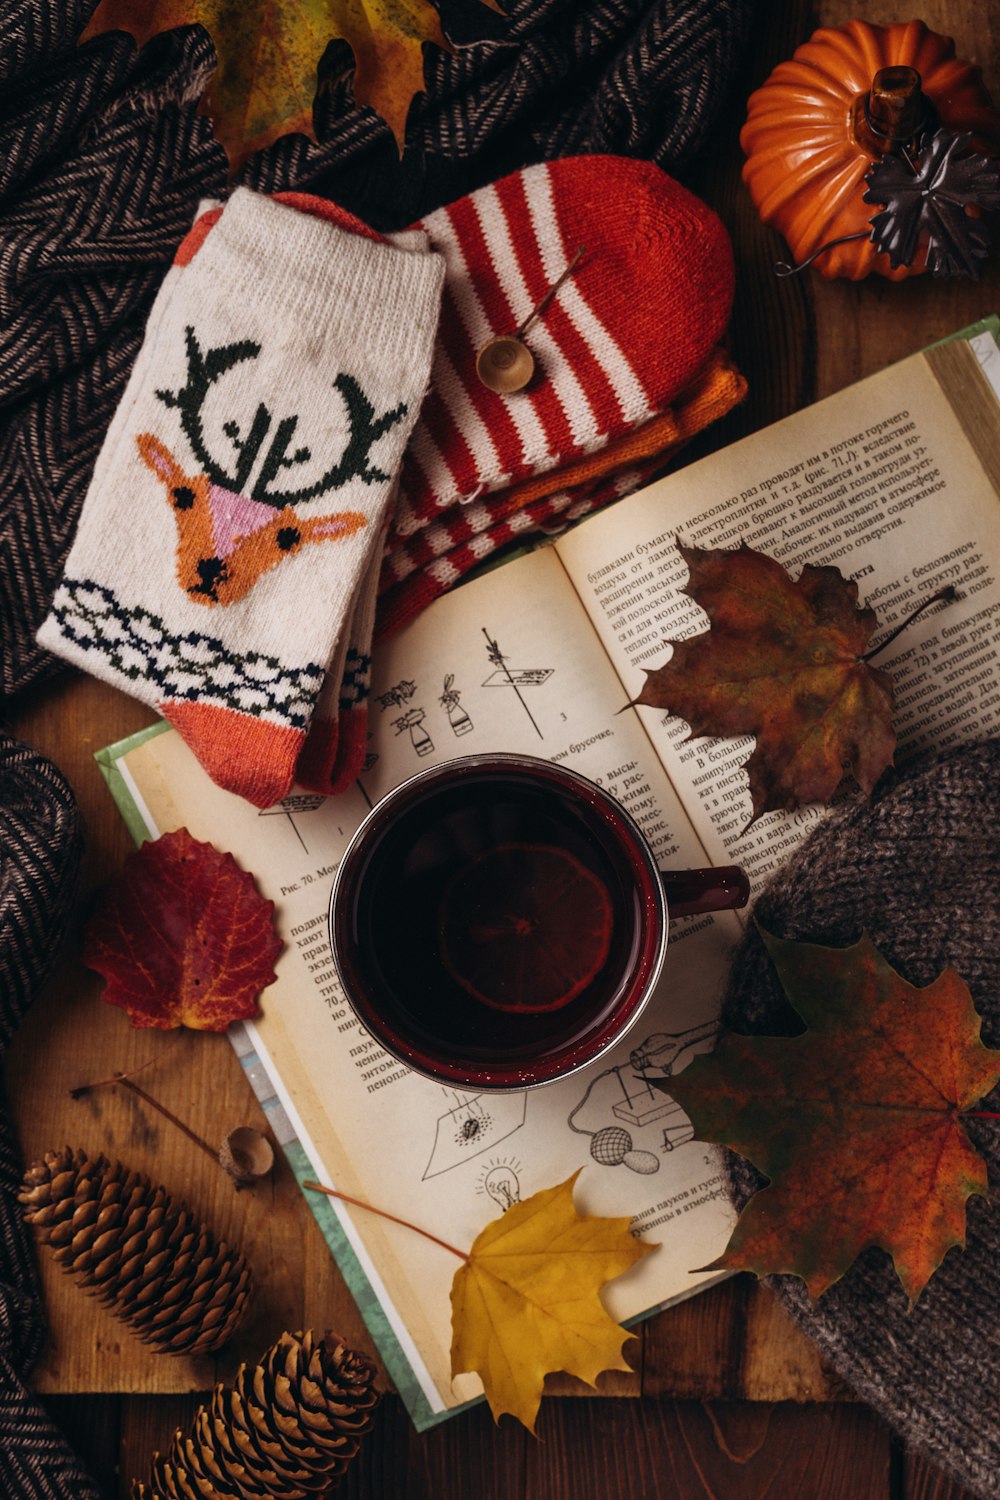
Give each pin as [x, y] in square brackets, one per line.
[782, 661]
[856, 1122]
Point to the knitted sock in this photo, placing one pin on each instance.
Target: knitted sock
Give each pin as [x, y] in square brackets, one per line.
[419, 568]
[355, 687]
[627, 332]
[257, 443]
[334, 749]
[422, 567]
[402, 603]
[627, 372]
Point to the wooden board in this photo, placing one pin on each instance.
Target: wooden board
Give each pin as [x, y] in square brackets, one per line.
[796, 340]
[593, 1450]
[71, 1037]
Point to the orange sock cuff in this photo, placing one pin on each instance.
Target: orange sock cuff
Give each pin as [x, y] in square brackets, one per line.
[251, 757]
[351, 747]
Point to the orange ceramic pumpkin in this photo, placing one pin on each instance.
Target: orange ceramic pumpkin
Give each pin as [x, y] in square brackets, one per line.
[808, 146]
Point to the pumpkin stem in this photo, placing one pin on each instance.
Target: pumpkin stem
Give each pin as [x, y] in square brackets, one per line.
[893, 112]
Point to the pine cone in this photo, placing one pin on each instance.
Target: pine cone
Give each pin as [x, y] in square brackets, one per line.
[154, 1265]
[286, 1430]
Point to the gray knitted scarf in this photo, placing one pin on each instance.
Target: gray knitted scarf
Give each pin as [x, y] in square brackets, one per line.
[918, 868]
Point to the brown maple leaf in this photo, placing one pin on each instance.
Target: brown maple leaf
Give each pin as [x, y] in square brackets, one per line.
[856, 1122]
[182, 937]
[269, 50]
[782, 661]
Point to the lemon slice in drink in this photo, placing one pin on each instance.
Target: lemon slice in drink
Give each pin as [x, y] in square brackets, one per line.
[525, 927]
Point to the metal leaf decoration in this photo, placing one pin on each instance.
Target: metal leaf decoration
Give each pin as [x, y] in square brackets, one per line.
[932, 196]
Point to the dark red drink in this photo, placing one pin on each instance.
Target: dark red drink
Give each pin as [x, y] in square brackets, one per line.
[497, 922]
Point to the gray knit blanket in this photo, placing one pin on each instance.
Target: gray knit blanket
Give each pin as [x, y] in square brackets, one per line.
[918, 868]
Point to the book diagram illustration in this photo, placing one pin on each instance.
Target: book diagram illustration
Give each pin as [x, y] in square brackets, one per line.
[499, 1181]
[412, 721]
[292, 807]
[398, 695]
[451, 701]
[637, 1105]
[515, 678]
[473, 1124]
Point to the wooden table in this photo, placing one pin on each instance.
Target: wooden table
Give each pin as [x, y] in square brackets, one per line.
[728, 1399]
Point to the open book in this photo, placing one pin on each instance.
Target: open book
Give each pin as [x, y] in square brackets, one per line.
[896, 481]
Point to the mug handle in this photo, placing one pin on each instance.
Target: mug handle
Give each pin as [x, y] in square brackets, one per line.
[689, 892]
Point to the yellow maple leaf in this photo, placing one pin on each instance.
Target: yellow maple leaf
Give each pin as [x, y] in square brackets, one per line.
[526, 1301]
[268, 52]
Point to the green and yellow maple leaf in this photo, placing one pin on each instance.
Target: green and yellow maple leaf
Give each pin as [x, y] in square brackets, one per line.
[269, 50]
[856, 1122]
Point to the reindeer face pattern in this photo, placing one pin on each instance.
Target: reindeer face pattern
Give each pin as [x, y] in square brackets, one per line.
[226, 541]
[234, 526]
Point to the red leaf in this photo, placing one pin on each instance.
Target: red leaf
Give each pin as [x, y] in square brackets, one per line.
[183, 938]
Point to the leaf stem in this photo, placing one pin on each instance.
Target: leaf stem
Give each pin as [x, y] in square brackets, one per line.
[125, 1080]
[318, 1187]
[100, 1083]
[980, 1114]
[540, 307]
[784, 268]
[169, 1115]
[948, 593]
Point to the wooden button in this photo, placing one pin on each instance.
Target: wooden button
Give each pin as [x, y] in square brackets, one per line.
[505, 365]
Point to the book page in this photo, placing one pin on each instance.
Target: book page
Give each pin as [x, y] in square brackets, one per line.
[505, 663]
[881, 480]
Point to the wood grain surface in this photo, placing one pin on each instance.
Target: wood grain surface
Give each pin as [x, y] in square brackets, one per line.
[730, 1402]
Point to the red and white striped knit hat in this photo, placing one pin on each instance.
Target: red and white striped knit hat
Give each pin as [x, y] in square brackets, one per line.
[424, 566]
[626, 333]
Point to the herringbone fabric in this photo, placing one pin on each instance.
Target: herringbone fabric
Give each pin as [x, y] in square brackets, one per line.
[552, 78]
[35, 1461]
[101, 170]
[40, 848]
